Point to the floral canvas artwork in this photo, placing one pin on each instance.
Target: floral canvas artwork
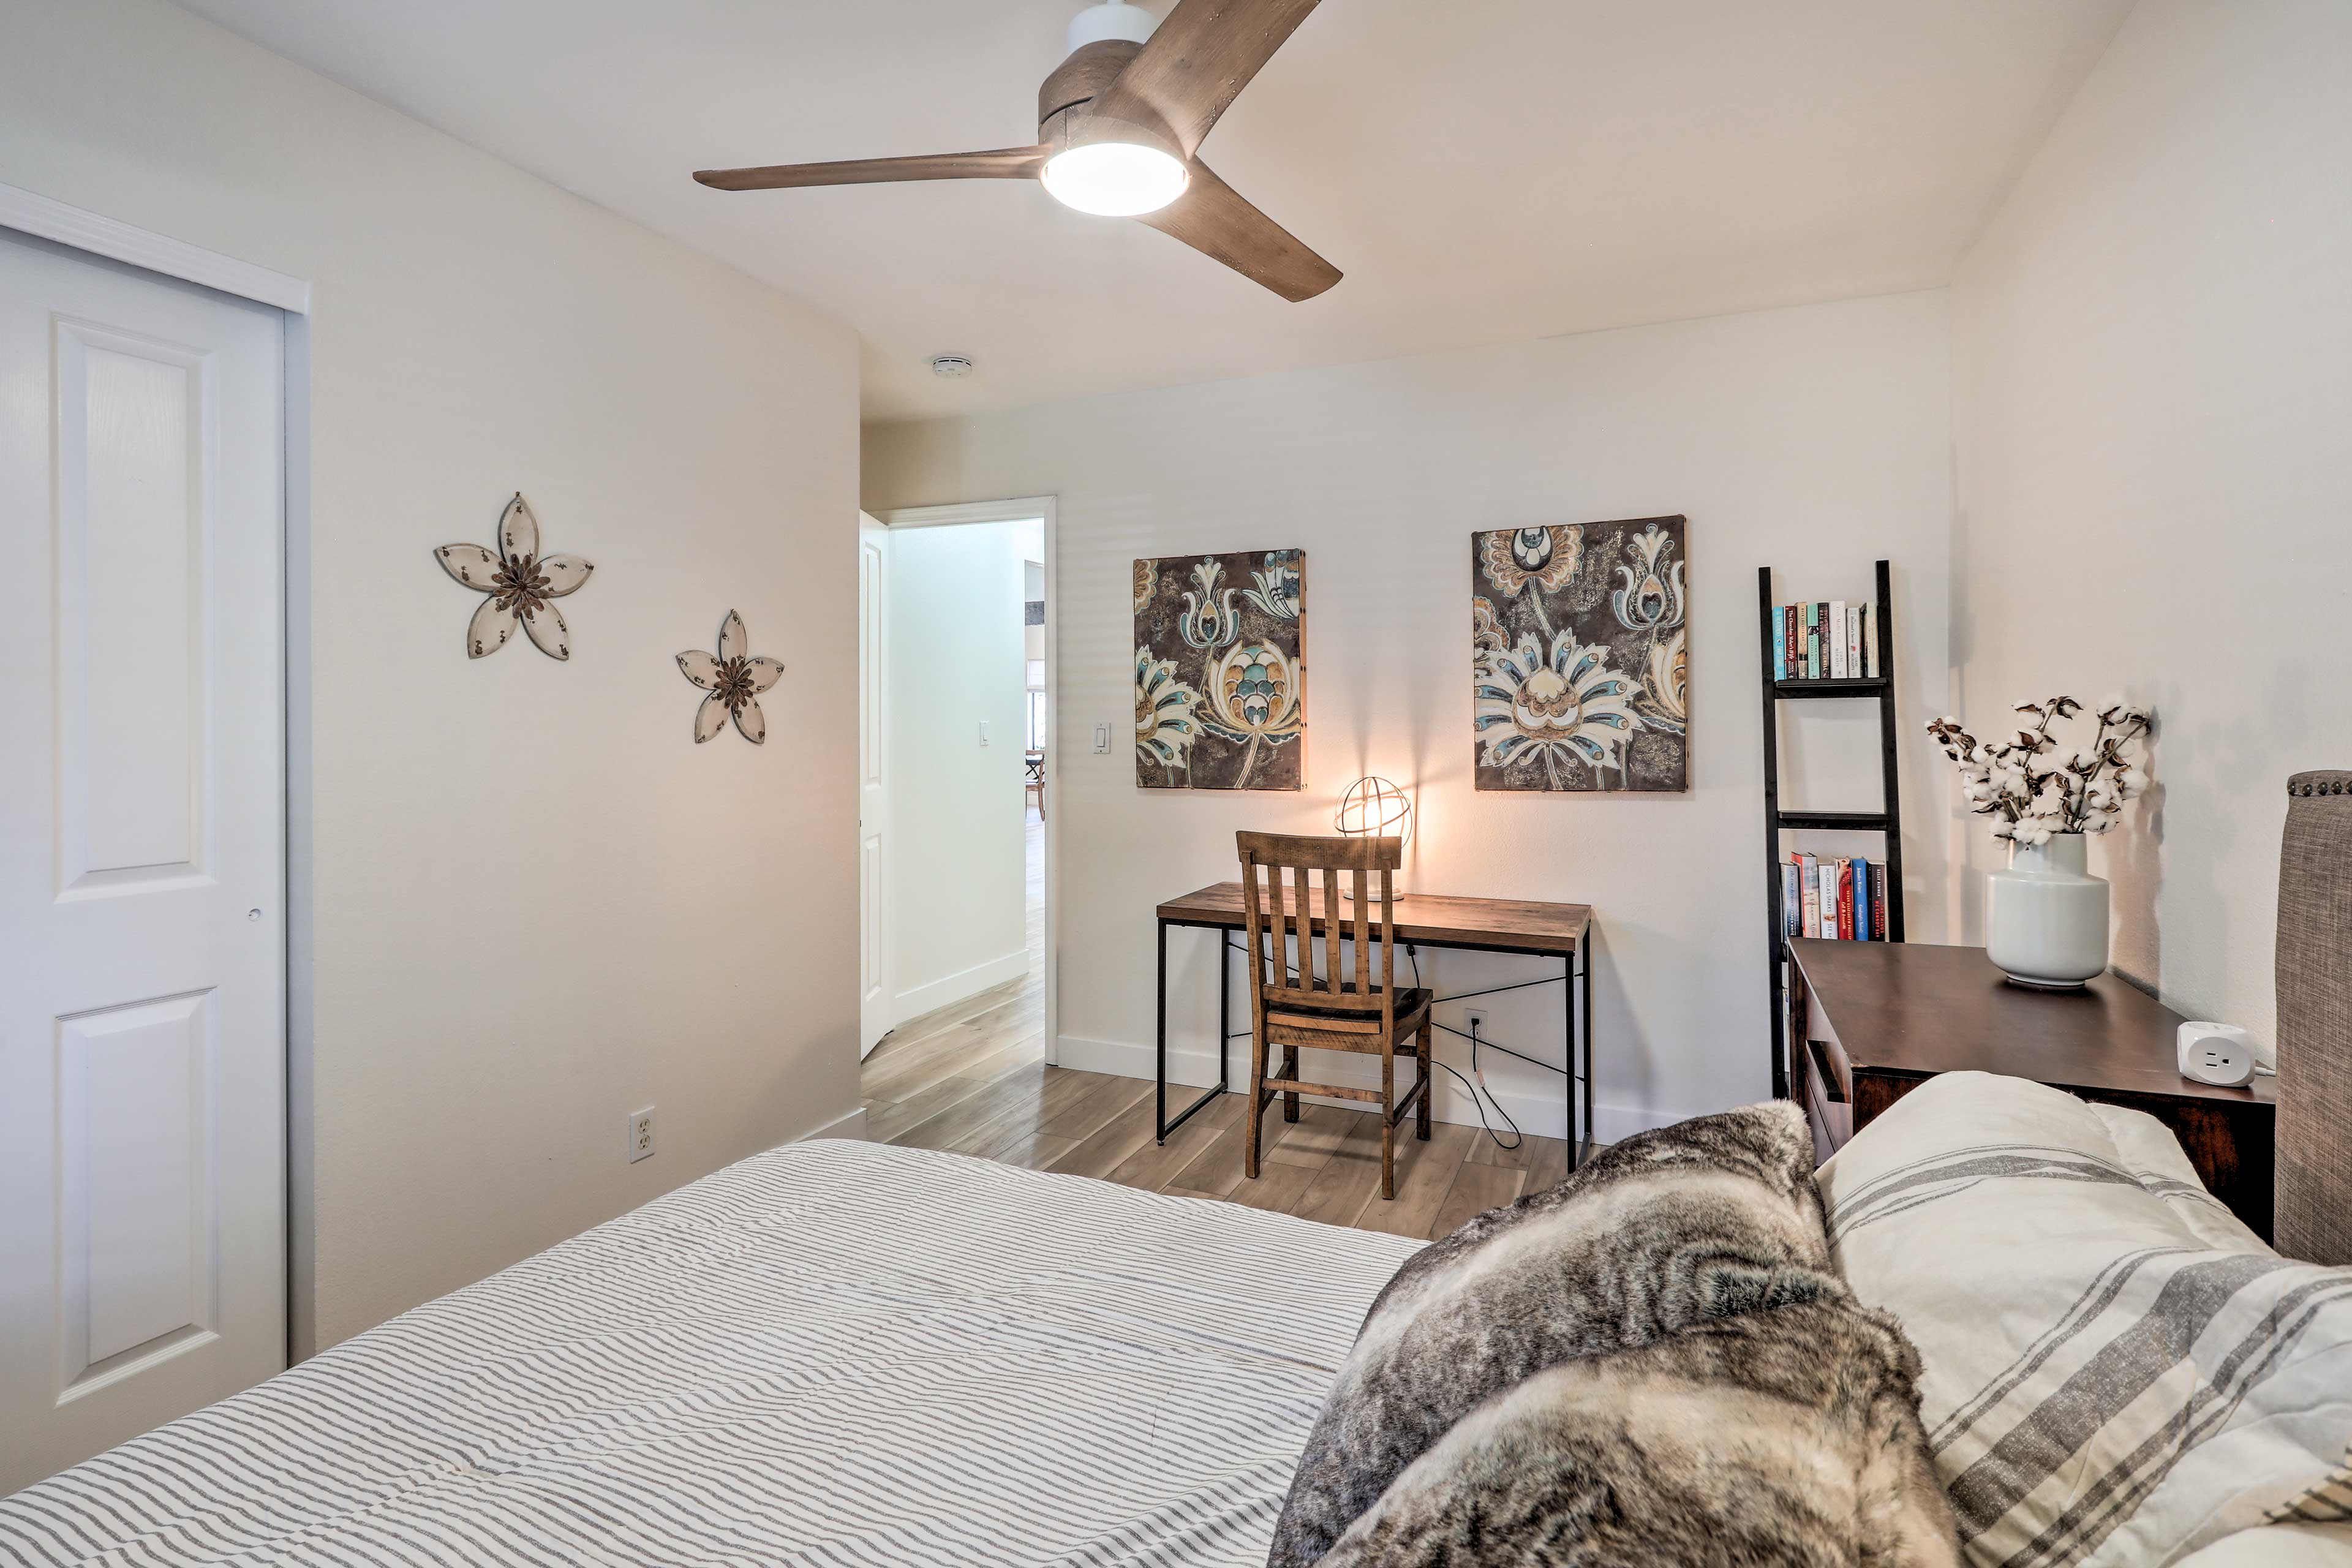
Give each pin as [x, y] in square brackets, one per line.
[1220, 680]
[1581, 656]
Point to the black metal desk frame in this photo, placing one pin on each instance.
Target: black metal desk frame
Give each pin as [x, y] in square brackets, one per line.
[1575, 979]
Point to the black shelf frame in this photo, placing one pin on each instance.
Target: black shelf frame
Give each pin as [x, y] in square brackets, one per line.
[1888, 820]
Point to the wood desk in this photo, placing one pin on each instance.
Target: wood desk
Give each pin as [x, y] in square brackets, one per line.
[1881, 1018]
[1422, 920]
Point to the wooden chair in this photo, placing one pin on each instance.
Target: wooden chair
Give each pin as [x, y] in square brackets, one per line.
[1296, 1008]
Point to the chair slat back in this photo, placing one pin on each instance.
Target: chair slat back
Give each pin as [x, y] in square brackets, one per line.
[1275, 923]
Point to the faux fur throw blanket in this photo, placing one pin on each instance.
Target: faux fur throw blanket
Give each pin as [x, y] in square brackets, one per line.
[1532, 1388]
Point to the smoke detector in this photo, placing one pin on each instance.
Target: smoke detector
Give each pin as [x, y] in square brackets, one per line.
[953, 366]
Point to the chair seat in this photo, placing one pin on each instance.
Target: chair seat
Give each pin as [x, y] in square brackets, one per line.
[1339, 1029]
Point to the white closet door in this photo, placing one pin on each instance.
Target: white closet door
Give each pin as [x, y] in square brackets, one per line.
[143, 1259]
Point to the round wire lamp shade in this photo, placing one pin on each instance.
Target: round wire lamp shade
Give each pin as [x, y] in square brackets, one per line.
[1373, 808]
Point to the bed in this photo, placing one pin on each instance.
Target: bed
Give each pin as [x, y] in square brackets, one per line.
[831, 1353]
[838, 1353]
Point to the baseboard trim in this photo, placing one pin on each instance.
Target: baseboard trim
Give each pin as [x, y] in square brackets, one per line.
[851, 1124]
[933, 994]
[1193, 1067]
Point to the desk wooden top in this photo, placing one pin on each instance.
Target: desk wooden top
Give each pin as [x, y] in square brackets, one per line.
[1513, 925]
[1912, 1009]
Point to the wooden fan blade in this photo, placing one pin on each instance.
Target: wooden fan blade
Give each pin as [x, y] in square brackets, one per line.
[1215, 220]
[1004, 163]
[1196, 60]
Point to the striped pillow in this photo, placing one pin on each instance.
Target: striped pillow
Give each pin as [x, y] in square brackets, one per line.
[2117, 1370]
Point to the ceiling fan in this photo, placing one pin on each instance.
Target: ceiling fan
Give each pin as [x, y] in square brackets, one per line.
[1119, 124]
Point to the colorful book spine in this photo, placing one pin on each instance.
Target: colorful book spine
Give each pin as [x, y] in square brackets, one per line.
[1837, 671]
[1861, 900]
[1870, 640]
[1853, 641]
[1812, 642]
[1792, 904]
[1779, 646]
[1845, 900]
[1808, 894]
[1826, 874]
[1878, 902]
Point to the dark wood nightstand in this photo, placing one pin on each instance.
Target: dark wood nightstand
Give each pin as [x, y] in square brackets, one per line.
[1881, 1018]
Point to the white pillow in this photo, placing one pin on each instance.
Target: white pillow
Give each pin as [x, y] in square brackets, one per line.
[2117, 1370]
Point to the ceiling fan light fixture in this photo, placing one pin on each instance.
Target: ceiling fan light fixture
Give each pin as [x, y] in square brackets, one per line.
[1114, 179]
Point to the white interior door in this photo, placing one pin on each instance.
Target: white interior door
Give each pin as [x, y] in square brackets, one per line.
[874, 1019]
[141, 860]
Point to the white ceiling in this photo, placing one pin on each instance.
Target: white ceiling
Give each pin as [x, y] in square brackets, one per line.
[1483, 170]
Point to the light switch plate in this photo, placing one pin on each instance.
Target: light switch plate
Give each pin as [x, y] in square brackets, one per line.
[1102, 740]
[983, 731]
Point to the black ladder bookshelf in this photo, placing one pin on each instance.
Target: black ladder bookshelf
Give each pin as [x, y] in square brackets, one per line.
[1889, 821]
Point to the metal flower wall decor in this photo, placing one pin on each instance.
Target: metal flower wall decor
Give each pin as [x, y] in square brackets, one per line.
[734, 679]
[1581, 656]
[520, 583]
[1220, 680]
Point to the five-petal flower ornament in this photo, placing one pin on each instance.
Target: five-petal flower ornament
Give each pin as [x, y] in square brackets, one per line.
[520, 583]
[734, 680]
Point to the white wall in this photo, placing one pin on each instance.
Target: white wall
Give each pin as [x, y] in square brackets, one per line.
[537, 903]
[2153, 415]
[958, 868]
[1814, 439]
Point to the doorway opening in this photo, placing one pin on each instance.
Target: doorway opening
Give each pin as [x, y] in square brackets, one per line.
[957, 809]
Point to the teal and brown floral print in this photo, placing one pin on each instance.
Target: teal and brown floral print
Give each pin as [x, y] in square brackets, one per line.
[1219, 676]
[1580, 656]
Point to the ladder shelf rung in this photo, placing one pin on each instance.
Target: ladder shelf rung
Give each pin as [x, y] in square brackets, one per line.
[1865, 686]
[1863, 820]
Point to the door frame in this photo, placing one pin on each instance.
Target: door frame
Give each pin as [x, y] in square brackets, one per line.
[1020, 508]
[111, 239]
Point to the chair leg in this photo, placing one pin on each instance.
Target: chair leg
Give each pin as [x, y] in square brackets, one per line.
[1420, 1111]
[1258, 1100]
[1290, 1071]
[1388, 1120]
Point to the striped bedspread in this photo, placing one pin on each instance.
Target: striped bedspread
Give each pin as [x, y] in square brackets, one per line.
[833, 1352]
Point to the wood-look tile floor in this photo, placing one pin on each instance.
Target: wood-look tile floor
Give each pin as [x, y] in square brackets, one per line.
[972, 1079]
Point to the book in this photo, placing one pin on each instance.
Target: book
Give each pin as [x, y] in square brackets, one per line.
[1812, 642]
[1825, 873]
[1792, 906]
[1779, 646]
[1845, 900]
[1796, 640]
[1853, 641]
[1861, 900]
[1878, 902]
[1808, 896]
[1836, 671]
[1870, 640]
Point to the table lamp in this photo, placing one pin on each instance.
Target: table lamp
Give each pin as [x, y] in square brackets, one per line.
[1372, 808]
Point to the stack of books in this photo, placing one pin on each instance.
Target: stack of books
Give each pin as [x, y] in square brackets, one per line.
[1842, 899]
[1827, 641]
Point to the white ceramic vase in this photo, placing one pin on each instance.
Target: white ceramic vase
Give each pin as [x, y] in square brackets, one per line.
[2046, 917]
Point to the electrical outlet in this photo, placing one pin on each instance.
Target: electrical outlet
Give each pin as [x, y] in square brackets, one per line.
[1102, 740]
[1478, 1025]
[641, 1134]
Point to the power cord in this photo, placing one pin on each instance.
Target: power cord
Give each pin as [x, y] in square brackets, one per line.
[1476, 1102]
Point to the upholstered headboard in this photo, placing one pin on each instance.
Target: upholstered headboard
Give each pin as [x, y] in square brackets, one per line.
[2313, 1216]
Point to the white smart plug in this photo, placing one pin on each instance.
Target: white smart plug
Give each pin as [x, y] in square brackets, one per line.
[2216, 1052]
